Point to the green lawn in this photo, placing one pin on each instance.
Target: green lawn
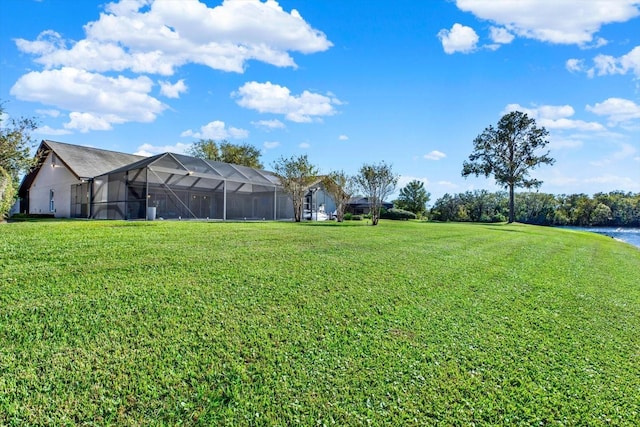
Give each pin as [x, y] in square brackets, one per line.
[406, 323]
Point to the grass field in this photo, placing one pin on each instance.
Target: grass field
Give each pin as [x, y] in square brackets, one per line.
[406, 323]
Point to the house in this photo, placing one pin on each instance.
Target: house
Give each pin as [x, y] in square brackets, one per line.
[59, 184]
[318, 205]
[360, 206]
[72, 181]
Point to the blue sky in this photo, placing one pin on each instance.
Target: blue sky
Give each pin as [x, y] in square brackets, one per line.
[411, 83]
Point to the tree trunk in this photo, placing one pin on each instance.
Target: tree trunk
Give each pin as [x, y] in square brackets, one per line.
[511, 204]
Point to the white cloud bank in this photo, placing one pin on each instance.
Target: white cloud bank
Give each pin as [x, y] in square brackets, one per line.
[96, 102]
[553, 21]
[272, 98]
[216, 130]
[156, 38]
[556, 117]
[617, 110]
[608, 65]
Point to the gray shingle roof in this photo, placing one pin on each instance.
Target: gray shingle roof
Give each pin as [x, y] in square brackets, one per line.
[88, 162]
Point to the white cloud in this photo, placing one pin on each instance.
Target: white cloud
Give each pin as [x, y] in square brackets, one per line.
[556, 117]
[343, 138]
[47, 42]
[557, 143]
[152, 150]
[574, 65]
[96, 102]
[626, 151]
[276, 99]
[608, 65]
[50, 113]
[304, 145]
[500, 35]
[562, 22]
[615, 182]
[156, 37]
[47, 130]
[269, 124]
[458, 39]
[216, 130]
[435, 155]
[617, 110]
[268, 145]
[172, 90]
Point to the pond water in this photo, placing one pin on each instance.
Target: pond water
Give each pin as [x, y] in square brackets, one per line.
[629, 235]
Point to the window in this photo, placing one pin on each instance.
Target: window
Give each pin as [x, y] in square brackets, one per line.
[52, 206]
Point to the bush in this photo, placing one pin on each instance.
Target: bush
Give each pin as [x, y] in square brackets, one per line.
[398, 214]
[348, 216]
[7, 193]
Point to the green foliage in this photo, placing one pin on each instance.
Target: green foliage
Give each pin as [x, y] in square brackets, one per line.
[398, 214]
[191, 323]
[376, 181]
[348, 216]
[243, 154]
[16, 144]
[413, 198]
[509, 153]
[613, 209]
[7, 193]
[296, 175]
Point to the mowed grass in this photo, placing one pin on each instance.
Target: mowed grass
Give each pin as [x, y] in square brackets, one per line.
[406, 323]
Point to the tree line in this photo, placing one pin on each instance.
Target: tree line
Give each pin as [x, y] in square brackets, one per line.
[615, 209]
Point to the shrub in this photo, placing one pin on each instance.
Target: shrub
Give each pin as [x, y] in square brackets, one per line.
[7, 193]
[398, 214]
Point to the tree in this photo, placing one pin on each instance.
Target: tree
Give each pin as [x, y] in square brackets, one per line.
[205, 149]
[376, 182]
[7, 193]
[16, 144]
[508, 152]
[340, 187]
[15, 155]
[243, 154]
[413, 198]
[296, 175]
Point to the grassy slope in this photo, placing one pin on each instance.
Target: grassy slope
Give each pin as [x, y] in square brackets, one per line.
[268, 323]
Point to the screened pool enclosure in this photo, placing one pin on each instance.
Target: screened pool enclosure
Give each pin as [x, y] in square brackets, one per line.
[175, 186]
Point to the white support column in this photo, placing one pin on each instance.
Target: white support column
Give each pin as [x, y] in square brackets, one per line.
[275, 203]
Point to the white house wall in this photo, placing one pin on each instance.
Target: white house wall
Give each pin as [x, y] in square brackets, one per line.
[57, 178]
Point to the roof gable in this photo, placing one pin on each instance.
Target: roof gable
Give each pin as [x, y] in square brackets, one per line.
[87, 162]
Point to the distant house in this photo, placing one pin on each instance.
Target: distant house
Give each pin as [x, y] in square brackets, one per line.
[72, 181]
[360, 206]
[318, 205]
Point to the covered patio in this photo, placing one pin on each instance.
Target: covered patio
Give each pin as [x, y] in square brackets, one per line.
[176, 186]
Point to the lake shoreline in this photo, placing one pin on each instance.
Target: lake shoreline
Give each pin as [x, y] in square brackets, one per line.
[630, 235]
